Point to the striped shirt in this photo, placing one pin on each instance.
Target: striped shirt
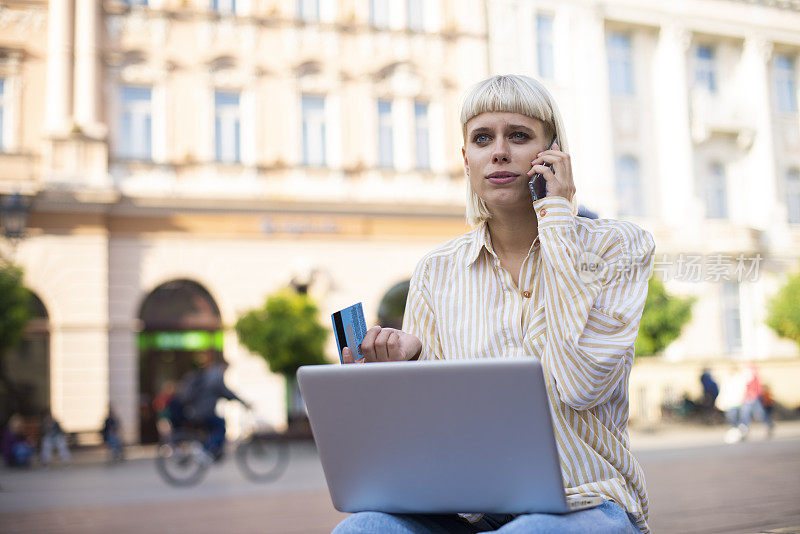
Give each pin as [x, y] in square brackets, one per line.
[581, 293]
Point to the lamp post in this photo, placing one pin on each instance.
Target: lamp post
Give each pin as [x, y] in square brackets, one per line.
[14, 210]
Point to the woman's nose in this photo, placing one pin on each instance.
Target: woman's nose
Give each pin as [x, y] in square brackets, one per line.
[500, 154]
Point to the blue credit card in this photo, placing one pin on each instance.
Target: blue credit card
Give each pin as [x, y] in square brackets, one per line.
[349, 327]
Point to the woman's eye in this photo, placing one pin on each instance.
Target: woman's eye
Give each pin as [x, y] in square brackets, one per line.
[519, 136]
[481, 138]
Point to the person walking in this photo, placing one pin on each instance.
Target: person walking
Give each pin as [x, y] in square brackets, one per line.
[730, 401]
[752, 405]
[53, 437]
[111, 437]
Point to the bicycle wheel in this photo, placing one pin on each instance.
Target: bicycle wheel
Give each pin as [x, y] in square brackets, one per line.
[262, 458]
[183, 461]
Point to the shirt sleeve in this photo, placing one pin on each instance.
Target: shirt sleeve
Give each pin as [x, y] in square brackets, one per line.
[594, 297]
[419, 318]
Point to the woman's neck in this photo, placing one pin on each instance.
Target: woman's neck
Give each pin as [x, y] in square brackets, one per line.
[513, 233]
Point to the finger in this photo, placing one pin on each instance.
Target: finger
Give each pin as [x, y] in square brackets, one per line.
[347, 356]
[381, 351]
[545, 171]
[368, 344]
[393, 348]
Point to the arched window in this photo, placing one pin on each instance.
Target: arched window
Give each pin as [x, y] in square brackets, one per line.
[793, 196]
[630, 201]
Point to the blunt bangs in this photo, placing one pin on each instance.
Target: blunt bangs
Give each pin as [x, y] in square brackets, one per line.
[512, 94]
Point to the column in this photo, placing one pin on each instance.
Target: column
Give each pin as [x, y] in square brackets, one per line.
[679, 205]
[87, 66]
[59, 66]
[759, 163]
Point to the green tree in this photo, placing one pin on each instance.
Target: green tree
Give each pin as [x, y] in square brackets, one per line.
[286, 332]
[14, 306]
[663, 318]
[783, 310]
[15, 312]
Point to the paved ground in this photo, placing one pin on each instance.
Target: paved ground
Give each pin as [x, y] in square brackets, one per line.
[695, 484]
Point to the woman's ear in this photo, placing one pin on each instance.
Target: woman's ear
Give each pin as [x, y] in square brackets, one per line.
[466, 163]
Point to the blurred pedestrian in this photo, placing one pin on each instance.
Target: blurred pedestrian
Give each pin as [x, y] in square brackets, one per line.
[199, 395]
[162, 405]
[710, 389]
[730, 401]
[53, 437]
[111, 435]
[18, 450]
[752, 403]
[768, 403]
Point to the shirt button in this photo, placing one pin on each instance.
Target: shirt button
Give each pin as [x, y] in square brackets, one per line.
[542, 212]
[526, 294]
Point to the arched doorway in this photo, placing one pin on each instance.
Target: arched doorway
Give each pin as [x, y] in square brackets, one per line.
[180, 320]
[25, 369]
[393, 305]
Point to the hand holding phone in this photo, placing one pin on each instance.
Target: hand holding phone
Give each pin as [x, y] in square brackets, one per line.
[537, 184]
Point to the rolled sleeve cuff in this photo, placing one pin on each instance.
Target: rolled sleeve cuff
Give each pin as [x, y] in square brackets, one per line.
[553, 211]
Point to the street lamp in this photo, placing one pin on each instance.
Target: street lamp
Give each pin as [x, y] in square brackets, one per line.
[14, 210]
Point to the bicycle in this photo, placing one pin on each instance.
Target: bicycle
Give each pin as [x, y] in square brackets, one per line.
[262, 455]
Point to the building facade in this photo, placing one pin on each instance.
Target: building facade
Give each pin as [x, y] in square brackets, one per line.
[186, 158]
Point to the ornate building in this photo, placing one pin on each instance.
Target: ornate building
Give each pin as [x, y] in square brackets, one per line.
[185, 158]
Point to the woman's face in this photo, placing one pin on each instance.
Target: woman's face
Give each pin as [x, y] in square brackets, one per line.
[497, 156]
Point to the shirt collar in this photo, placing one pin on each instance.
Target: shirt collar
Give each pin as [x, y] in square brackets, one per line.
[482, 240]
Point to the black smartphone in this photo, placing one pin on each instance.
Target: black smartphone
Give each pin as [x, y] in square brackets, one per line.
[538, 185]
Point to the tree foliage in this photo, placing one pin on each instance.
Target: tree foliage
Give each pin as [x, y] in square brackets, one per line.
[14, 306]
[783, 310]
[663, 318]
[285, 331]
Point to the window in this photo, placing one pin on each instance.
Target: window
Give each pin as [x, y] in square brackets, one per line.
[3, 113]
[629, 188]
[793, 196]
[704, 70]
[785, 84]
[227, 7]
[385, 134]
[416, 15]
[313, 130]
[136, 2]
[731, 318]
[136, 123]
[422, 135]
[544, 46]
[716, 192]
[227, 127]
[379, 13]
[308, 10]
[620, 64]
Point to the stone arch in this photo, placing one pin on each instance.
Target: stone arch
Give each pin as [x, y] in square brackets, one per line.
[180, 320]
[25, 370]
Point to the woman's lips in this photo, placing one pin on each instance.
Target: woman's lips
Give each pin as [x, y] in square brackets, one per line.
[501, 177]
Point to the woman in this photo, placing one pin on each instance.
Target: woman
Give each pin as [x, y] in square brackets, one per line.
[533, 279]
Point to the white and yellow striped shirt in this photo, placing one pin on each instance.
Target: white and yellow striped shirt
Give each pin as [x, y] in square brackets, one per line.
[581, 293]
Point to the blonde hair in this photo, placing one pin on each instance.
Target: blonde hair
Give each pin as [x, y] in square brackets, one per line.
[515, 94]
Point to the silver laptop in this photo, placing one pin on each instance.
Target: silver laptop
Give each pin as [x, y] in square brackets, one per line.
[437, 437]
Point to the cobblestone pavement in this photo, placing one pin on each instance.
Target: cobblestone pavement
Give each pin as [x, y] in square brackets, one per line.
[706, 487]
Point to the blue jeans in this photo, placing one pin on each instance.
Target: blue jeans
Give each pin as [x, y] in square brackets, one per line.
[755, 407]
[605, 519]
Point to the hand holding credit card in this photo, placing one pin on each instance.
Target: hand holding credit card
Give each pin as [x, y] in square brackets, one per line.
[349, 327]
